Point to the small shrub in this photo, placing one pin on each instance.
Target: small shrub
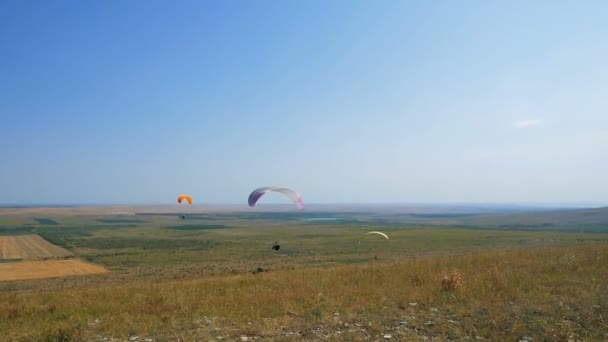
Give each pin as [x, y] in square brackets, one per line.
[451, 281]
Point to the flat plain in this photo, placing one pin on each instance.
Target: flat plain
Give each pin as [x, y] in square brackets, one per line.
[214, 276]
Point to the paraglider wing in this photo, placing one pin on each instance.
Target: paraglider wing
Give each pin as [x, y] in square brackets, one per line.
[181, 198]
[259, 192]
[256, 194]
[294, 196]
[377, 233]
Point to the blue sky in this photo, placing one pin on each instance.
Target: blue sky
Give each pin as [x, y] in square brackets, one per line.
[345, 101]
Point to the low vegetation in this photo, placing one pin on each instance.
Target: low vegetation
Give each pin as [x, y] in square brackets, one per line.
[197, 227]
[214, 276]
[45, 221]
[554, 293]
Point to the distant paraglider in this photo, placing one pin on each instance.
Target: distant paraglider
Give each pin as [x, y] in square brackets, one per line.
[377, 233]
[181, 198]
[259, 192]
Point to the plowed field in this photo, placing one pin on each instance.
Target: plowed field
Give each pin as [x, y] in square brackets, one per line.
[29, 247]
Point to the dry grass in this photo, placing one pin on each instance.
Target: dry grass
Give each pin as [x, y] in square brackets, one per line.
[29, 247]
[47, 269]
[451, 281]
[509, 294]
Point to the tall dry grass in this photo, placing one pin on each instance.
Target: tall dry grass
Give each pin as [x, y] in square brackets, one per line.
[547, 293]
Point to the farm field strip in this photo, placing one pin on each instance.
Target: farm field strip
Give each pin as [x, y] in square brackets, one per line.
[8, 248]
[47, 269]
[29, 247]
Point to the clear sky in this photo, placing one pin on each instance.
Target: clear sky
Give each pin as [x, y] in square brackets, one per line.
[345, 101]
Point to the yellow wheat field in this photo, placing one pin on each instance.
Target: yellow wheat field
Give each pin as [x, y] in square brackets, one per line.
[47, 269]
[29, 247]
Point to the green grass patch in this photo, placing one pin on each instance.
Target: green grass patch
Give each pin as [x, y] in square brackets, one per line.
[198, 227]
[103, 243]
[69, 237]
[16, 230]
[442, 215]
[45, 221]
[119, 220]
[5, 261]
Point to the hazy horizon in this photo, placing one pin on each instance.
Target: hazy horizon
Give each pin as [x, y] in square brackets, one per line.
[284, 204]
[343, 101]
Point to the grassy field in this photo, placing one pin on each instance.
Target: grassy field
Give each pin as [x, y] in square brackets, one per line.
[551, 293]
[214, 276]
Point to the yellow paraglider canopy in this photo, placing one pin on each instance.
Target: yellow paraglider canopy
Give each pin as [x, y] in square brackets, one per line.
[377, 233]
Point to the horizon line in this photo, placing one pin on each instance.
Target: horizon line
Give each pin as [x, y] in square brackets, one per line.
[437, 203]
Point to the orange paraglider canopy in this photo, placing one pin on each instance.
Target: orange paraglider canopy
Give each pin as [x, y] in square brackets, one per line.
[184, 197]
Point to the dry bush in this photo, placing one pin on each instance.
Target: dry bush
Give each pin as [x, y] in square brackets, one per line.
[451, 281]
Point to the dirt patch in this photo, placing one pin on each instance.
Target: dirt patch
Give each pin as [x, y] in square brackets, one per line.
[29, 247]
[47, 269]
